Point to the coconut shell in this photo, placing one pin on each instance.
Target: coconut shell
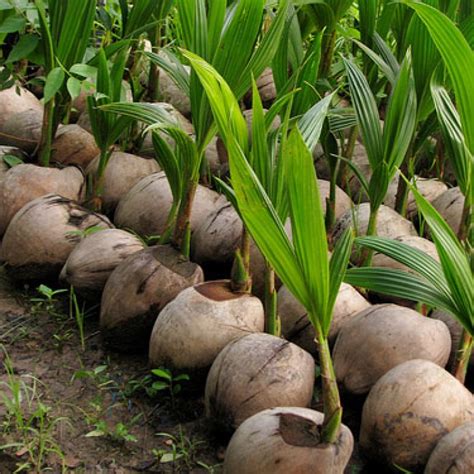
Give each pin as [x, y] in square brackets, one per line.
[257, 372]
[450, 205]
[84, 122]
[15, 100]
[343, 201]
[194, 327]
[74, 146]
[285, 441]
[455, 330]
[297, 328]
[454, 454]
[93, 260]
[389, 223]
[8, 150]
[145, 208]
[214, 241]
[123, 171]
[22, 130]
[26, 182]
[382, 337]
[266, 88]
[43, 233]
[172, 94]
[409, 410]
[137, 290]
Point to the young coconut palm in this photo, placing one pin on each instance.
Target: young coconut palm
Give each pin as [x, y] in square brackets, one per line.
[386, 149]
[303, 265]
[448, 285]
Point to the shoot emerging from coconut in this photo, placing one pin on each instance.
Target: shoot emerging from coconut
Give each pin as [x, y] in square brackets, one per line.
[386, 150]
[303, 265]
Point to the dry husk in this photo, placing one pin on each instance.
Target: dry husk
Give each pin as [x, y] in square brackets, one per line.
[123, 171]
[409, 410]
[26, 182]
[145, 208]
[43, 233]
[194, 327]
[93, 260]
[297, 328]
[257, 372]
[8, 150]
[450, 205]
[74, 146]
[22, 130]
[266, 88]
[12, 103]
[137, 290]
[286, 440]
[454, 454]
[172, 94]
[382, 337]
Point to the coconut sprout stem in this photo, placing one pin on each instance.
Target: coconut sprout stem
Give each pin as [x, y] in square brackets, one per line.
[97, 186]
[241, 281]
[273, 325]
[332, 404]
[47, 132]
[154, 75]
[463, 355]
[184, 215]
[329, 45]
[347, 153]
[366, 255]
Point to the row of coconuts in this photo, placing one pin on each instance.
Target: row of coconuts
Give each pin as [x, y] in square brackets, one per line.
[415, 413]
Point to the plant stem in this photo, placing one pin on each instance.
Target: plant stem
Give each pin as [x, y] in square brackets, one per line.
[241, 281]
[329, 44]
[154, 76]
[347, 153]
[184, 216]
[332, 403]
[47, 131]
[463, 355]
[366, 255]
[466, 221]
[271, 314]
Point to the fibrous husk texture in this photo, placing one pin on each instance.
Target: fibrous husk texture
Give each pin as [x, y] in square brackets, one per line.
[257, 372]
[286, 440]
[409, 410]
[382, 337]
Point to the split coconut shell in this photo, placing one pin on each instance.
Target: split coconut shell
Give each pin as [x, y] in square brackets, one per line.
[409, 410]
[193, 328]
[15, 100]
[257, 372]
[26, 182]
[450, 205]
[123, 171]
[23, 130]
[297, 328]
[286, 440]
[382, 337]
[43, 233]
[454, 454]
[93, 260]
[137, 290]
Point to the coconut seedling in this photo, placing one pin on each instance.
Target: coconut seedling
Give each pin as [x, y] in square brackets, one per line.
[453, 292]
[303, 265]
[386, 149]
[65, 38]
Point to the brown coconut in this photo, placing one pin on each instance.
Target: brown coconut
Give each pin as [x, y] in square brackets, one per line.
[93, 260]
[450, 205]
[15, 100]
[137, 290]
[22, 130]
[194, 327]
[43, 233]
[409, 410]
[123, 171]
[145, 208]
[389, 223]
[257, 372]
[8, 150]
[26, 182]
[266, 88]
[343, 201]
[218, 235]
[454, 454]
[172, 94]
[382, 337]
[455, 330]
[297, 328]
[286, 440]
[74, 146]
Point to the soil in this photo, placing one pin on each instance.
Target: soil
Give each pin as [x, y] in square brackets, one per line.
[103, 416]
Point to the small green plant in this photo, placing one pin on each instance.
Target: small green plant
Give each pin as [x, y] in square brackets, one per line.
[28, 422]
[47, 300]
[77, 312]
[167, 381]
[120, 432]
